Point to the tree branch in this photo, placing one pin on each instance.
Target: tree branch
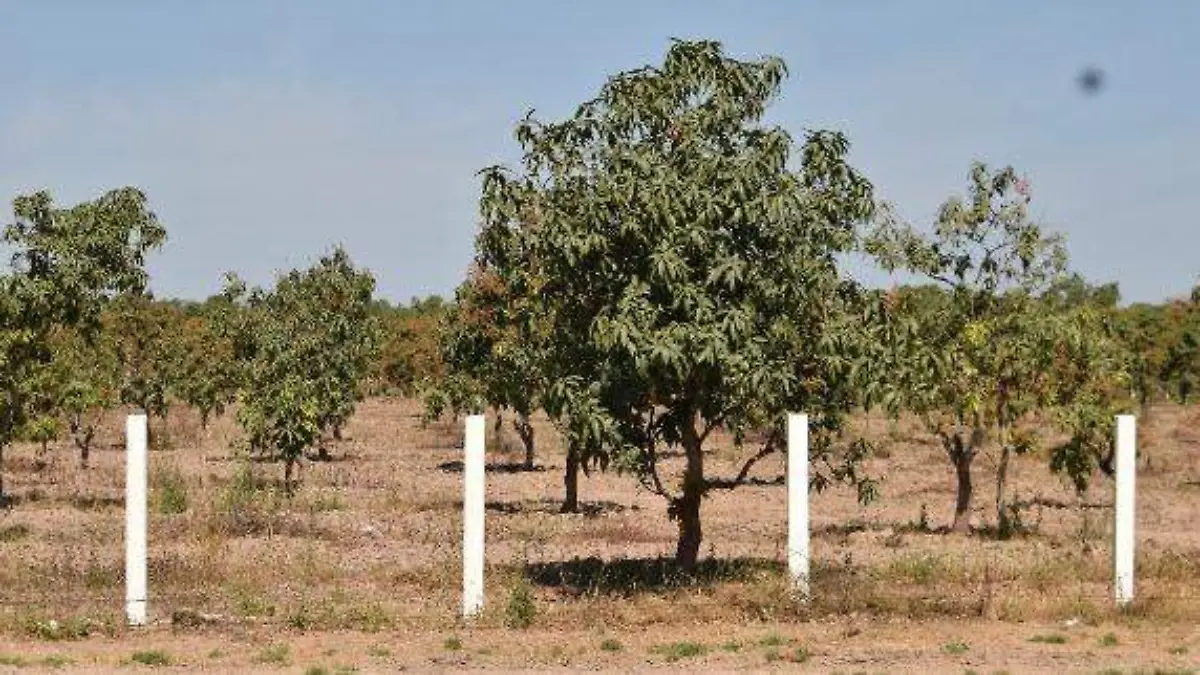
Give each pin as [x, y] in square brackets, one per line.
[650, 462]
[768, 448]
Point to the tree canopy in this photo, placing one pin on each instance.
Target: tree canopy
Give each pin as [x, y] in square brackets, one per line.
[67, 263]
[686, 273]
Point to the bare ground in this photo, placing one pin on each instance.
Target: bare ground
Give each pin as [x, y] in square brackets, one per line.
[361, 569]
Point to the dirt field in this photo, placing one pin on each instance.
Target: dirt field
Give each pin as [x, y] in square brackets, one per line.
[361, 570]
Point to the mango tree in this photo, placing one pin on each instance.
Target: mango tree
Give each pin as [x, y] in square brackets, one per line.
[490, 350]
[89, 383]
[1146, 331]
[1181, 367]
[983, 353]
[204, 374]
[686, 275]
[409, 353]
[144, 332]
[67, 263]
[305, 347]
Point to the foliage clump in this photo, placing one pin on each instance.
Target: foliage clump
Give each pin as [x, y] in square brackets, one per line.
[684, 274]
[306, 346]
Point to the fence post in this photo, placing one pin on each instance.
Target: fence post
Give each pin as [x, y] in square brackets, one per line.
[473, 513]
[136, 475]
[797, 485]
[1123, 529]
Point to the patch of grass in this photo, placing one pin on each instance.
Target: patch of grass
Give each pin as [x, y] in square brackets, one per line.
[338, 670]
[53, 631]
[151, 657]
[453, 644]
[733, 646]
[610, 645]
[216, 654]
[170, 491]
[798, 655]
[521, 610]
[1109, 640]
[300, 619]
[11, 533]
[1177, 651]
[371, 618]
[955, 648]
[55, 661]
[772, 655]
[277, 654]
[379, 652]
[326, 502]
[773, 640]
[918, 568]
[1050, 639]
[13, 660]
[677, 651]
[250, 604]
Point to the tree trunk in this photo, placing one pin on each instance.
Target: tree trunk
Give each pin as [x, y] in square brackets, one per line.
[687, 506]
[204, 420]
[85, 452]
[288, 465]
[571, 481]
[1002, 521]
[3, 498]
[962, 457]
[525, 430]
[337, 432]
[82, 435]
[1002, 434]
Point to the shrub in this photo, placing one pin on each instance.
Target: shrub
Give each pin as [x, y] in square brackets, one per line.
[154, 657]
[610, 645]
[521, 609]
[171, 491]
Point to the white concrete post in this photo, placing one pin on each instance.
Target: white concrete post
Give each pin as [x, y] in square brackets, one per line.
[1123, 530]
[797, 485]
[473, 507]
[136, 475]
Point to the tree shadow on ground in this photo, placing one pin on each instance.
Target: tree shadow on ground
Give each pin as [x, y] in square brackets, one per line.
[456, 466]
[834, 530]
[552, 506]
[628, 577]
[85, 503]
[752, 482]
[31, 496]
[1052, 503]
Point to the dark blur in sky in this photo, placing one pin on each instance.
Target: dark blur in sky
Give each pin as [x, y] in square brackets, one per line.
[265, 131]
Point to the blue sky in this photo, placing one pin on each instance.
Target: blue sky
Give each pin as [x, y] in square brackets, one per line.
[265, 131]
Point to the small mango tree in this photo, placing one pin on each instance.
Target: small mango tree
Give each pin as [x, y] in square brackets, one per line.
[982, 355]
[144, 333]
[305, 346]
[67, 263]
[687, 277]
[89, 384]
[490, 355]
[1180, 371]
[205, 374]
